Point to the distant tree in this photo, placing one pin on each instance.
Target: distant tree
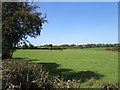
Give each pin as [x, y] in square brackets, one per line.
[19, 20]
[107, 45]
[50, 45]
[80, 46]
[73, 45]
[88, 46]
[64, 45]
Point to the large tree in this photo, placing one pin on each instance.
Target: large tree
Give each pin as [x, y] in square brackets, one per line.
[19, 20]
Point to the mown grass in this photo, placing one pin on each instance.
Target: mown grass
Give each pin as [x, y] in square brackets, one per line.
[76, 63]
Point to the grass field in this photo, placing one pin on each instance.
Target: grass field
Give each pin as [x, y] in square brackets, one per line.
[76, 63]
[99, 48]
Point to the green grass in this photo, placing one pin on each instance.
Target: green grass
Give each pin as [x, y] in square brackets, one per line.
[76, 63]
[98, 48]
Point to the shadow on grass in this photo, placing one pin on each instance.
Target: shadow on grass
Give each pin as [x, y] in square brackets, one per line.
[26, 59]
[68, 74]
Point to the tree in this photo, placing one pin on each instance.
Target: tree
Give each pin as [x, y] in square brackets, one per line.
[25, 46]
[19, 20]
[50, 45]
[31, 46]
[64, 45]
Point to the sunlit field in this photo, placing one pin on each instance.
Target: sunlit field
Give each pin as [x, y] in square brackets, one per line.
[75, 63]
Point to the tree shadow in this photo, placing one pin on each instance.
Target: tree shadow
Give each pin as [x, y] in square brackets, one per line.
[53, 68]
[83, 75]
[19, 58]
[67, 74]
[26, 59]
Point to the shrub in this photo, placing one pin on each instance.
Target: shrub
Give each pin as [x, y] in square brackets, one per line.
[109, 86]
[116, 49]
[109, 49]
[18, 74]
[27, 76]
[21, 75]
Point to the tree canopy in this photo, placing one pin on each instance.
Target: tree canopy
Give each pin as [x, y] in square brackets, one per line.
[19, 20]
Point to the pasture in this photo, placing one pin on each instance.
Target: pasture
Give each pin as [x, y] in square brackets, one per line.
[75, 63]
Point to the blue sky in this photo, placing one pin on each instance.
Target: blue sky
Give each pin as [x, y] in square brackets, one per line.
[78, 23]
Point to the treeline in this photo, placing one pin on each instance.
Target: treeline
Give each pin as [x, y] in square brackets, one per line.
[66, 46]
[45, 47]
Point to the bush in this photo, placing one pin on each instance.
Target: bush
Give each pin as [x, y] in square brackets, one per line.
[116, 49]
[110, 86]
[27, 76]
[18, 74]
[21, 75]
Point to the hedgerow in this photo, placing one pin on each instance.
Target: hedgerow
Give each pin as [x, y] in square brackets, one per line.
[17, 74]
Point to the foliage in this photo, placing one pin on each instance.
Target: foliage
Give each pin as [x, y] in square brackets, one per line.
[113, 49]
[50, 45]
[22, 75]
[109, 86]
[19, 20]
[116, 49]
[18, 74]
[72, 46]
